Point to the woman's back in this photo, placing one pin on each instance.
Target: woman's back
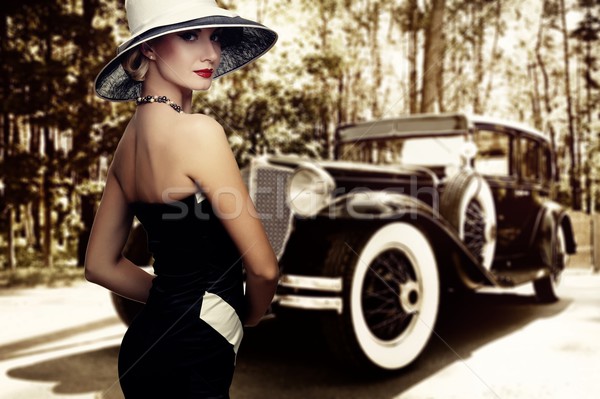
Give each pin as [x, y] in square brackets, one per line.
[148, 161]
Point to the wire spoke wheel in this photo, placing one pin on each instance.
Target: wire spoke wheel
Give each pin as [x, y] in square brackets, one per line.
[474, 228]
[390, 296]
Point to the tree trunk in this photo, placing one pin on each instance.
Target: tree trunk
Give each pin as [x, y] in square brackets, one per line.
[589, 70]
[4, 78]
[477, 21]
[341, 118]
[547, 100]
[432, 61]
[5, 135]
[440, 81]
[413, 46]
[28, 225]
[88, 210]
[373, 34]
[47, 249]
[536, 106]
[325, 134]
[49, 149]
[574, 172]
[493, 61]
[37, 222]
[11, 259]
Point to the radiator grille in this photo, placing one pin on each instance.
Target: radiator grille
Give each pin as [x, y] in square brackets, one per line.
[267, 185]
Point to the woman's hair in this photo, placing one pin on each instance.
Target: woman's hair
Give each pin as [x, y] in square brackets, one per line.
[136, 64]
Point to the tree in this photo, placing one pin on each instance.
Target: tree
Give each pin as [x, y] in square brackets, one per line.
[574, 175]
[49, 108]
[433, 60]
[547, 97]
[587, 35]
[409, 17]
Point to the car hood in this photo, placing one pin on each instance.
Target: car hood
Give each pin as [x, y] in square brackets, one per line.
[358, 174]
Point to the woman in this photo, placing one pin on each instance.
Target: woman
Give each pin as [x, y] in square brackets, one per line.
[176, 173]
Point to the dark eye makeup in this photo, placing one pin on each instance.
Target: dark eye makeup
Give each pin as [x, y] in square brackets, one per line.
[193, 35]
[188, 35]
[216, 35]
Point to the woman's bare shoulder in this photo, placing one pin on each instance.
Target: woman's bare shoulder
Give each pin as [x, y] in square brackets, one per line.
[205, 152]
[203, 131]
[197, 123]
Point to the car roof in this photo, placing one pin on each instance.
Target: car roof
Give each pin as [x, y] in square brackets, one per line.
[417, 125]
[426, 124]
[480, 119]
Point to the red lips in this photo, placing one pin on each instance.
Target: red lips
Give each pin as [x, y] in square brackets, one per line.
[204, 73]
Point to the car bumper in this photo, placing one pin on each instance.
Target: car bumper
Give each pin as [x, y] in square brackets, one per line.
[308, 292]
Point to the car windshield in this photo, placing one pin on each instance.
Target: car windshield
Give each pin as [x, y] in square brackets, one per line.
[422, 151]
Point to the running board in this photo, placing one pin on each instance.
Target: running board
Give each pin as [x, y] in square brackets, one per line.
[512, 278]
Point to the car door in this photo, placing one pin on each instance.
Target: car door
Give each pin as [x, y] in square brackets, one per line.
[530, 190]
[497, 160]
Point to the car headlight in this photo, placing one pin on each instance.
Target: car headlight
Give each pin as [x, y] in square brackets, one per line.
[309, 190]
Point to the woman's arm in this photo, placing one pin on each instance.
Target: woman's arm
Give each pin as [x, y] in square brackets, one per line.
[210, 163]
[104, 263]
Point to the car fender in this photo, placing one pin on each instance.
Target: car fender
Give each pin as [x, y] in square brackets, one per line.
[369, 205]
[552, 215]
[370, 210]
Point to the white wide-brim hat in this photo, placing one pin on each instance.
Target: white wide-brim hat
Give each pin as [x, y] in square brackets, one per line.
[242, 42]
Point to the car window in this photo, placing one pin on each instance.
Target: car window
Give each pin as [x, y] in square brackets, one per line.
[425, 151]
[530, 161]
[433, 151]
[493, 153]
[546, 163]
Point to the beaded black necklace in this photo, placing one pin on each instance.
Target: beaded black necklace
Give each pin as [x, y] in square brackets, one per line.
[159, 99]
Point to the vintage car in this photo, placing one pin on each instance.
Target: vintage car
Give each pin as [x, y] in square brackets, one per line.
[409, 208]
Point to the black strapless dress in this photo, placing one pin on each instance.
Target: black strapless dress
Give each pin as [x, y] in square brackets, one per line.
[184, 342]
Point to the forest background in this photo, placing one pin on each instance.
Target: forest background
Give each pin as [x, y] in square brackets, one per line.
[336, 62]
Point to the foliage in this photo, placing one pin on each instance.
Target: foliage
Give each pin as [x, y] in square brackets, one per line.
[24, 185]
[50, 118]
[337, 62]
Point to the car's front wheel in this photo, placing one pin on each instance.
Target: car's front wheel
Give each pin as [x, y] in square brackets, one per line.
[390, 296]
